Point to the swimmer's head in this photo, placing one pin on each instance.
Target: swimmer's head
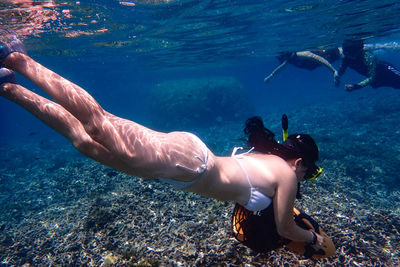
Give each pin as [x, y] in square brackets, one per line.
[296, 146]
[283, 56]
[352, 47]
[306, 148]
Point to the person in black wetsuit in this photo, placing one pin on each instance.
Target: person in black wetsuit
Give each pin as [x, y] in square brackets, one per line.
[378, 72]
[309, 60]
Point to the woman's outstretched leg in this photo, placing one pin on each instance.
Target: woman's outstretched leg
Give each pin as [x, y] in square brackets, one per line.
[77, 102]
[148, 153]
[59, 119]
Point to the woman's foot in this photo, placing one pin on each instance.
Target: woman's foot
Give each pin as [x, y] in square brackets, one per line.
[7, 76]
[15, 45]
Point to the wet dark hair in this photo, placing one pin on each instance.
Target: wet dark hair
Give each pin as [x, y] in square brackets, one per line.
[296, 145]
[284, 56]
[353, 47]
[305, 147]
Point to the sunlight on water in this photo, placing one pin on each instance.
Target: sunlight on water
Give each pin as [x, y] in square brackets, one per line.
[183, 32]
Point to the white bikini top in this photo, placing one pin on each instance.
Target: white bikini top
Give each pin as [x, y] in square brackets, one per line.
[257, 201]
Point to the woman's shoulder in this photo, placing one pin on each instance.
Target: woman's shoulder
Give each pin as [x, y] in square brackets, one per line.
[274, 167]
[268, 158]
[272, 162]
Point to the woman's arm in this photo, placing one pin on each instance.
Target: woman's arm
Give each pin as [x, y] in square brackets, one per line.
[371, 62]
[343, 67]
[322, 61]
[275, 71]
[285, 195]
[362, 84]
[315, 57]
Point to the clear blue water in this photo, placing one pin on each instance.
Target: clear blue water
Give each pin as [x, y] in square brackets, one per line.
[99, 43]
[120, 52]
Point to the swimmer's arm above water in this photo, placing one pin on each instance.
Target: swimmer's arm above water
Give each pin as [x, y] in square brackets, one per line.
[386, 46]
[362, 84]
[322, 61]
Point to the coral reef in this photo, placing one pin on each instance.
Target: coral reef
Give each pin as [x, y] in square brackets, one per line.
[192, 102]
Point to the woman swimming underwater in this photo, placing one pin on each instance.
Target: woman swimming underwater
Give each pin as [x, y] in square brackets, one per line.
[254, 180]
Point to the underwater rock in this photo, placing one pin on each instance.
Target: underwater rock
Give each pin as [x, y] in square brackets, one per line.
[179, 104]
[98, 217]
[108, 261]
[111, 173]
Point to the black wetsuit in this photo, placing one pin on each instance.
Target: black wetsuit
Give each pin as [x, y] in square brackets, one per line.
[330, 55]
[259, 229]
[378, 72]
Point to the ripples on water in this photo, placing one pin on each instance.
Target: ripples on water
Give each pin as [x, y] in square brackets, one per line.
[188, 32]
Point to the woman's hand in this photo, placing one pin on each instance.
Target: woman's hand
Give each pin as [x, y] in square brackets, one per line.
[269, 77]
[319, 241]
[352, 87]
[336, 78]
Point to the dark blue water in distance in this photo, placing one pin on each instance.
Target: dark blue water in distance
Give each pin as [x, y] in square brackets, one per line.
[122, 52]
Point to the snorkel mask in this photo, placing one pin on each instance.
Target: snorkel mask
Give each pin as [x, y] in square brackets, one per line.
[313, 173]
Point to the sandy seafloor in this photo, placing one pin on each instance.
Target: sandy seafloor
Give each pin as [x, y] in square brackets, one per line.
[60, 208]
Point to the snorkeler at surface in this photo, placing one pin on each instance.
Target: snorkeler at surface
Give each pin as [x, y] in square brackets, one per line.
[378, 72]
[267, 178]
[309, 60]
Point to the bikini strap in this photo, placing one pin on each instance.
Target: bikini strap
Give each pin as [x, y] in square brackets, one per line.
[235, 149]
[240, 164]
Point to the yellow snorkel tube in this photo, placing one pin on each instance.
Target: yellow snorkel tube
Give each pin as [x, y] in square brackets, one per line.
[285, 127]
